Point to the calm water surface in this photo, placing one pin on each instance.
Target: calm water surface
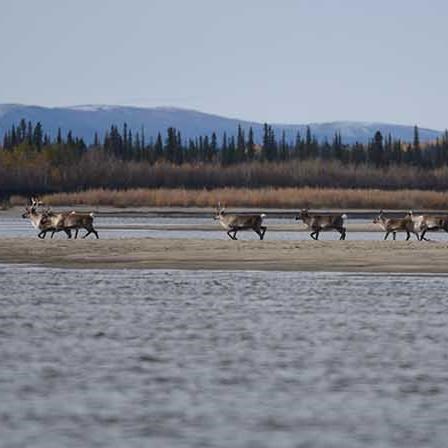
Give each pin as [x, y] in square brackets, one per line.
[123, 358]
[162, 227]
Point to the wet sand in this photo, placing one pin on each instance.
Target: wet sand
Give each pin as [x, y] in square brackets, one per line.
[134, 253]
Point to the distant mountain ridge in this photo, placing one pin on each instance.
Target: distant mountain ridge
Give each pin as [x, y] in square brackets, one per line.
[85, 120]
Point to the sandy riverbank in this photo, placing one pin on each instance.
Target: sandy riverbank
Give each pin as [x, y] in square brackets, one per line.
[350, 256]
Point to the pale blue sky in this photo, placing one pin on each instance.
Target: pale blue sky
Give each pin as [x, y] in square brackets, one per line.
[295, 61]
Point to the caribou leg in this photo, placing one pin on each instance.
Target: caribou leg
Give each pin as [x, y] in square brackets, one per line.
[89, 231]
[260, 231]
[232, 237]
[422, 236]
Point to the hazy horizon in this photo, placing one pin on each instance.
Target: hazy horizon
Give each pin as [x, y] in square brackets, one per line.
[289, 62]
[168, 107]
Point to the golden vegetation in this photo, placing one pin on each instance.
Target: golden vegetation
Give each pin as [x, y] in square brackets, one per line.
[291, 198]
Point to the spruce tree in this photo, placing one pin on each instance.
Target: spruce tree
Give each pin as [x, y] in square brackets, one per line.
[376, 150]
[416, 142]
[250, 145]
[29, 134]
[308, 142]
[37, 136]
[337, 146]
[143, 143]
[213, 147]
[96, 141]
[170, 145]
[417, 158]
[179, 149]
[299, 147]
[21, 131]
[6, 140]
[240, 146]
[14, 140]
[158, 148]
[224, 150]
[284, 150]
[231, 150]
[125, 137]
[396, 156]
[269, 149]
[69, 138]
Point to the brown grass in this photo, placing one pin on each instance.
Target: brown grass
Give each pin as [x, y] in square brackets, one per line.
[257, 198]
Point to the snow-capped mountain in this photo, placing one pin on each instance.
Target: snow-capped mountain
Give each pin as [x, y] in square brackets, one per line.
[85, 120]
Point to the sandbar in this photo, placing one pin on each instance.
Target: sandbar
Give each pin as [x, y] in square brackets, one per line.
[201, 254]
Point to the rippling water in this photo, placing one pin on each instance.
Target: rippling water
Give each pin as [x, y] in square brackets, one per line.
[123, 358]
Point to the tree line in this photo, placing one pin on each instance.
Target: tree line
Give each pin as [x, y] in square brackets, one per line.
[124, 145]
[28, 153]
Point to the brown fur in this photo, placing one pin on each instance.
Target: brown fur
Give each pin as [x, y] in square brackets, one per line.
[76, 221]
[317, 223]
[45, 221]
[234, 223]
[394, 225]
[425, 223]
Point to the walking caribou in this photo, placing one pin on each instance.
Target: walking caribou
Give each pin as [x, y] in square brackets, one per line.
[317, 223]
[234, 223]
[425, 223]
[45, 221]
[394, 225]
[75, 221]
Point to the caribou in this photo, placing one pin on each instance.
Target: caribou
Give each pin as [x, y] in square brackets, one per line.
[45, 221]
[425, 223]
[75, 221]
[394, 225]
[234, 223]
[317, 223]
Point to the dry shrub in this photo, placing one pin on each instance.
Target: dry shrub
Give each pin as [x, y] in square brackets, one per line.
[256, 198]
[16, 200]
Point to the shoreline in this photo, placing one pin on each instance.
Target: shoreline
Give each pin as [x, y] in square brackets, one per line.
[209, 212]
[147, 253]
